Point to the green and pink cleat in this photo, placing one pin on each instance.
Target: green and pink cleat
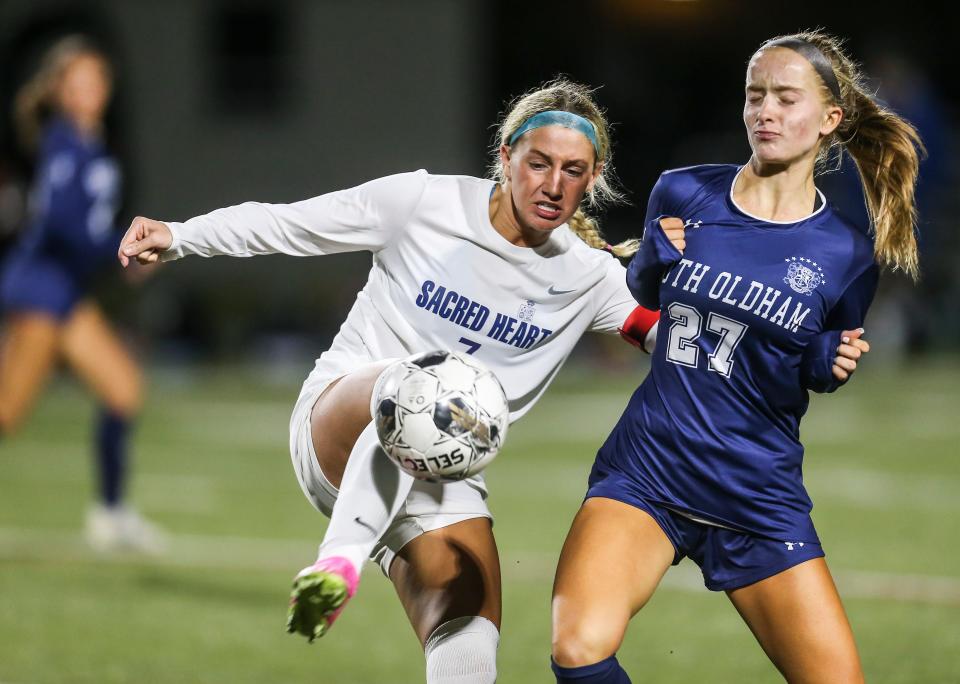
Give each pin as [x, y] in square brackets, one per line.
[319, 595]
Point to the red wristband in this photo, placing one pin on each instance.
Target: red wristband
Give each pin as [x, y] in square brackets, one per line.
[634, 330]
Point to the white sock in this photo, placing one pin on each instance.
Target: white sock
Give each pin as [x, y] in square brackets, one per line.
[463, 651]
[371, 493]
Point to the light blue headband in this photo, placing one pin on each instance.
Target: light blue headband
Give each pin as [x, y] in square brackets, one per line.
[559, 118]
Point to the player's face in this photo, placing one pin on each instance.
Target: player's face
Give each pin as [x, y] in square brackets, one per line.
[784, 111]
[550, 169]
[84, 90]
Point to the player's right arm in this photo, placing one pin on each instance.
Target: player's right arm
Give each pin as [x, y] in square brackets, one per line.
[362, 218]
[662, 245]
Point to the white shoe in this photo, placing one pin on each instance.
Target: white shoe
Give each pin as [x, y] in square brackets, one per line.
[118, 528]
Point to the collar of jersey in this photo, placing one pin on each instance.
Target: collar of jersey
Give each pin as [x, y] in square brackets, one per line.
[774, 225]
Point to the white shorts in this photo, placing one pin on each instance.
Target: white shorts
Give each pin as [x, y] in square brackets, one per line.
[429, 506]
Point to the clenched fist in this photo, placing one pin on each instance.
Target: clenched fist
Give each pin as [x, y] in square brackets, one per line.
[673, 229]
[144, 240]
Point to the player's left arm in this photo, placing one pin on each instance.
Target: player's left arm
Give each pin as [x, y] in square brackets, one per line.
[662, 244]
[832, 356]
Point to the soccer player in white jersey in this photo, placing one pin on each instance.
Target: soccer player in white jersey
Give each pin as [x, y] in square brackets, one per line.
[509, 269]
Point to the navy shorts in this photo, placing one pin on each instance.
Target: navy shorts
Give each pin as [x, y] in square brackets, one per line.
[729, 559]
[38, 284]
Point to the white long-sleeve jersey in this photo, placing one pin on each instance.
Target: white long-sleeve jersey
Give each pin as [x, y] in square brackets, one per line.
[442, 277]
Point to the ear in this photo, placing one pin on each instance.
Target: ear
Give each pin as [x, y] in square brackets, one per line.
[505, 160]
[595, 176]
[831, 119]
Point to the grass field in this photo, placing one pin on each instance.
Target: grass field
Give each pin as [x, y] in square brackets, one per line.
[883, 468]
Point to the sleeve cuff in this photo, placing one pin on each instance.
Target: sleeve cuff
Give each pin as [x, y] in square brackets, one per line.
[175, 250]
[816, 367]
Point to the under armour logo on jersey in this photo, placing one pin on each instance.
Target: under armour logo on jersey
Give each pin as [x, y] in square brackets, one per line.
[690, 223]
[790, 545]
[801, 278]
[527, 310]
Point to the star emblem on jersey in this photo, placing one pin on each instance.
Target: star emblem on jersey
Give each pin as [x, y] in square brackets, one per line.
[803, 275]
[527, 310]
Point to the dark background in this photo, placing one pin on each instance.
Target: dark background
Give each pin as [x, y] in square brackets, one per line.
[220, 102]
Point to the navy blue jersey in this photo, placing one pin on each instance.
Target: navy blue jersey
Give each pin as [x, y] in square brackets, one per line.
[751, 314]
[71, 233]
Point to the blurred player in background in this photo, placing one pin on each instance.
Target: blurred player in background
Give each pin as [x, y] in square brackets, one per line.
[71, 235]
[509, 269]
[760, 283]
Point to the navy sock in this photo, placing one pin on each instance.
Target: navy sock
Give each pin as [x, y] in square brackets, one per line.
[112, 456]
[607, 671]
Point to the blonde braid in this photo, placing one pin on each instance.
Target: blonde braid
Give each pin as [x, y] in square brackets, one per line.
[585, 228]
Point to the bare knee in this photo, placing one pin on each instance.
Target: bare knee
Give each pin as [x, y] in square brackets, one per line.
[848, 673]
[125, 397]
[14, 409]
[9, 421]
[584, 633]
[835, 668]
[12, 413]
[584, 642]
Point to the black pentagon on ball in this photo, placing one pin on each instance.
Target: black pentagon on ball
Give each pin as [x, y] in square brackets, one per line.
[444, 418]
[386, 417]
[430, 359]
[494, 434]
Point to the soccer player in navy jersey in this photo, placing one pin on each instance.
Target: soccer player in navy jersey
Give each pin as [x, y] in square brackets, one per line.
[762, 290]
[48, 315]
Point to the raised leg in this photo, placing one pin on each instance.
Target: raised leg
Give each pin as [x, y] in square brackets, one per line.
[372, 489]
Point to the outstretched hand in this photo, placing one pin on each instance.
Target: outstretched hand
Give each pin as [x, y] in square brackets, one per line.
[851, 348]
[144, 240]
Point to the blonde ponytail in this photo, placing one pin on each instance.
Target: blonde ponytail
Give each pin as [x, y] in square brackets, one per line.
[886, 149]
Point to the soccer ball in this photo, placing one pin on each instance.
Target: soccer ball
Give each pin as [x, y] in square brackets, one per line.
[441, 415]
